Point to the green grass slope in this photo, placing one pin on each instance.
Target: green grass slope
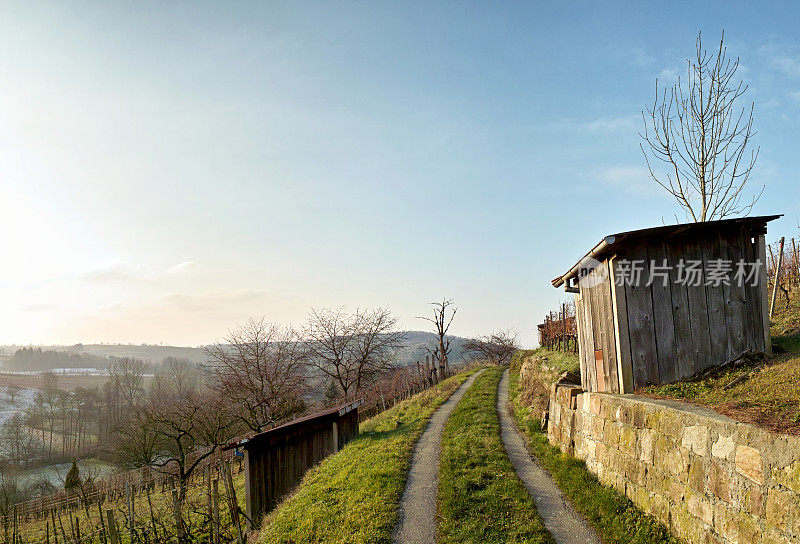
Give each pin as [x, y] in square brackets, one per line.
[353, 497]
[481, 498]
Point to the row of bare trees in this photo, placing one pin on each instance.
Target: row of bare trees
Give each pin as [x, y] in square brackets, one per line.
[174, 417]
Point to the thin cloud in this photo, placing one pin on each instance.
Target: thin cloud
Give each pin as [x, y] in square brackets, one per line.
[669, 75]
[212, 301]
[122, 272]
[632, 179]
[788, 65]
[606, 124]
[182, 268]
[781, 59]
[641, 58]
[115, 273]
[40, 308]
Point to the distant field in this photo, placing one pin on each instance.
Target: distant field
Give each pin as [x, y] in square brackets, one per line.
[68, 382]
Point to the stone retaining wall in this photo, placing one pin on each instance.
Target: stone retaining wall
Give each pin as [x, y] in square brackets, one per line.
[706, 476]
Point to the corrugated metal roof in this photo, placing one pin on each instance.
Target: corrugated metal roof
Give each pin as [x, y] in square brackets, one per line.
[612, 242]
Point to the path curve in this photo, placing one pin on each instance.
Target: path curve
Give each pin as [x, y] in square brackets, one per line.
[566, 525]
[418, 505]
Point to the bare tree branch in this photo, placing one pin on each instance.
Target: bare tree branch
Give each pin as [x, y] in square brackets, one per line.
[698, 132]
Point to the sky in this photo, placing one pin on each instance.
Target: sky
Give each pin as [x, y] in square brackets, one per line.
[168, 170]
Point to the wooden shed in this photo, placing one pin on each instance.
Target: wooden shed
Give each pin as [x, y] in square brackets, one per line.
[661, 304]
[276, 460]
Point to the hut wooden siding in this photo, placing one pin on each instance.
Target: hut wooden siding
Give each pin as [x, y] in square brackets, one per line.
[276, 460]
[630, 336]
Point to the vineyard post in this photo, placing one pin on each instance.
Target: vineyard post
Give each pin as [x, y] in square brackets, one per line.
[130, 508]
[777, 277]
[152, 516]
[71, 524]
[47, 532]
[55, 529]
[112, 527]
[61, 524]
[215, 511]
[102, 524]
[233, 504]
[176, 509]
[14, 534]
[210, 500]
[78, 528]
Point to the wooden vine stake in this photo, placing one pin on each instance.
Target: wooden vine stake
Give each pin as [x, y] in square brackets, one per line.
[777, 277]
[215, 506]
[176, 509]
[112, 527]
[233, 504]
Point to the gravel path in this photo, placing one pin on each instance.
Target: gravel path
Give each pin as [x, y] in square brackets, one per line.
[418, 506]
[566, 525]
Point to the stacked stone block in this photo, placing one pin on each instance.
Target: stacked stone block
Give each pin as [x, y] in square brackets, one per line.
[707, 477]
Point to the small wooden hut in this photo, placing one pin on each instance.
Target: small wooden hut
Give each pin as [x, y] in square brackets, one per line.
[661, 304]
[275, 460]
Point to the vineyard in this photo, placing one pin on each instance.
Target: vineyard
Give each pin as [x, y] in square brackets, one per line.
[783, 256]
[559, 332]
[144, 506]
[141, 506]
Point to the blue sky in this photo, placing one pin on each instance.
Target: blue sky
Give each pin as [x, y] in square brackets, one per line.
[169, 169]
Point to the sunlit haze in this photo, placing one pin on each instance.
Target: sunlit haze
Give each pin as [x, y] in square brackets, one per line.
[170, 169]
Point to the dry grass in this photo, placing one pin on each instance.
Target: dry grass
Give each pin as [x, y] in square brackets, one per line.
[538, 370]
[768, 395]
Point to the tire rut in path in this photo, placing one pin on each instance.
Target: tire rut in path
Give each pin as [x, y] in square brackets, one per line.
[566, 525]
[418, 505]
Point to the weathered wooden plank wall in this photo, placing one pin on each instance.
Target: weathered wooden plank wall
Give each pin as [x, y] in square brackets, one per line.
[640, 323]
[276, 462]
[595, 315]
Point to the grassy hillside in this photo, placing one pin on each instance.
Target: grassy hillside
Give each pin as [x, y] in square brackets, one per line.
[352, 497]
[481, 498]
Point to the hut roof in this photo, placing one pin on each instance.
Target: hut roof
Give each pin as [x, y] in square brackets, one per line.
[316, 417]
[614, 242]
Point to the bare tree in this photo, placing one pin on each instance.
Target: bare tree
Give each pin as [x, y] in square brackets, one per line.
[177, 375]
[259, 368]
[174, 434]
[497, 347]
[352, 349]
[443, 314]
[127, 374]
[701, 135]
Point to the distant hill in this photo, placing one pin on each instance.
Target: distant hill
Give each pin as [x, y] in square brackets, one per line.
[80, 354]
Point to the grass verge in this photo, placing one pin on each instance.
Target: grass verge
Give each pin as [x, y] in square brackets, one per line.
[481, 498]
[352, 497]
[615, 518]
